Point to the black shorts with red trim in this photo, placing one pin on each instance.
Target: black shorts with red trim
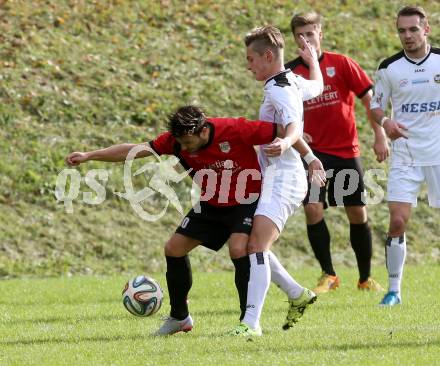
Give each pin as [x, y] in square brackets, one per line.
[213, 225]
[345, 183]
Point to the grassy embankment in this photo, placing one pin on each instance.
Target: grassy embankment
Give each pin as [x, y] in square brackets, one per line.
[81, 75]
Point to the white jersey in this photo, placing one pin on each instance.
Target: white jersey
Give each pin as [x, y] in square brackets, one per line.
[283, 104]
[414, 91]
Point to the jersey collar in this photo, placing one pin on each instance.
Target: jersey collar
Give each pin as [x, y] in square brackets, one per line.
[421, 61]
[274, 76]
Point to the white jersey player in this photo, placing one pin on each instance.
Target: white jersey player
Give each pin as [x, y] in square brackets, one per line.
[411, 81]
[414, 89]
[284, 179]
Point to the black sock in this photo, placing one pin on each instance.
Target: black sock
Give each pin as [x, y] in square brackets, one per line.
[179, 281]
[242, 269]
[361, 242]
[319, 238]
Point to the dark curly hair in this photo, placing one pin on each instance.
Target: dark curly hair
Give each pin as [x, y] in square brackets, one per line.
[187, 120]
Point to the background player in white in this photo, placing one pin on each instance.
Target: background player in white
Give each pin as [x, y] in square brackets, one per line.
[411, 80]
[284, 179]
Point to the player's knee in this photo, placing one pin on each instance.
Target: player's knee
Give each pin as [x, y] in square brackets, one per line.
[356, 214]
[314, 213]
[256, 246]
[238, 252]
[261, 240]
[397, 225]
[253, 248]
[171, 249]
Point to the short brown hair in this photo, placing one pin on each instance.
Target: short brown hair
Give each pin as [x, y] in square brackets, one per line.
[265, 37]
[302, 19]
[408, 11]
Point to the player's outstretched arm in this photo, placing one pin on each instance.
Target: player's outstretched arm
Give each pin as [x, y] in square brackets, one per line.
[380, 147]
[113, 153]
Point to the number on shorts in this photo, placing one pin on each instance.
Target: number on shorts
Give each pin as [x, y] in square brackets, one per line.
[184, 223]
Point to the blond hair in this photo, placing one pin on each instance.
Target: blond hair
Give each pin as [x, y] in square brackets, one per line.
[263, 38]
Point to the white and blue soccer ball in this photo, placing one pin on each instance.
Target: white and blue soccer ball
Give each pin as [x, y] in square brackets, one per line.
[142, 296]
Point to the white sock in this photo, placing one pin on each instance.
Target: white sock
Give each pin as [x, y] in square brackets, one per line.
[259, 281]
[283, 279]
[395, 250]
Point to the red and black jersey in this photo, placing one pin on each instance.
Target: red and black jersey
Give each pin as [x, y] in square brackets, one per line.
[229, 152]
[329, 118]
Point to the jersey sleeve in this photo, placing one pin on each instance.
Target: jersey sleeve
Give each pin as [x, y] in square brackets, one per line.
[309, 88]
[382, 91]
[356, 78]
[256, 132]
[285, 105]
[163, 144]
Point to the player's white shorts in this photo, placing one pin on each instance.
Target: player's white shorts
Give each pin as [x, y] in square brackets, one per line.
[282, 196]
[404, 184]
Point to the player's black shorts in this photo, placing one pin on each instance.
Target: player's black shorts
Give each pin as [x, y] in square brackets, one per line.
[214, 225]
[345, 183]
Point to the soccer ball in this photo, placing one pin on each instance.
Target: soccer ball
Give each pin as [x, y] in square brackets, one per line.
[142, 296]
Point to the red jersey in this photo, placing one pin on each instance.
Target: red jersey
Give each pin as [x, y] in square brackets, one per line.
[329, 118]
[229, 152]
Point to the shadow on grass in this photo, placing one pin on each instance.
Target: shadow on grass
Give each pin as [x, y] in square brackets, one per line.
[99, 338]
[60, 302]
[219, 312]
[276, 349]
[369, 346]
[66, 319]
[110, 317]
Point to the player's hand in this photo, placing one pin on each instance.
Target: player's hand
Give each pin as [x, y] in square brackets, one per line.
[307, 52]
[381, 148]
[76, 158]
[317, 173]
[277, 147]
[307, 138]
[394, 129]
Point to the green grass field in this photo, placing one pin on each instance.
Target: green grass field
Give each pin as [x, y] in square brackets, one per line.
[81, 321]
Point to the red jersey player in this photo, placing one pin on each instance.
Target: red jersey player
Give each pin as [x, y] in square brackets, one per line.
[330, 130]
[220, 153]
